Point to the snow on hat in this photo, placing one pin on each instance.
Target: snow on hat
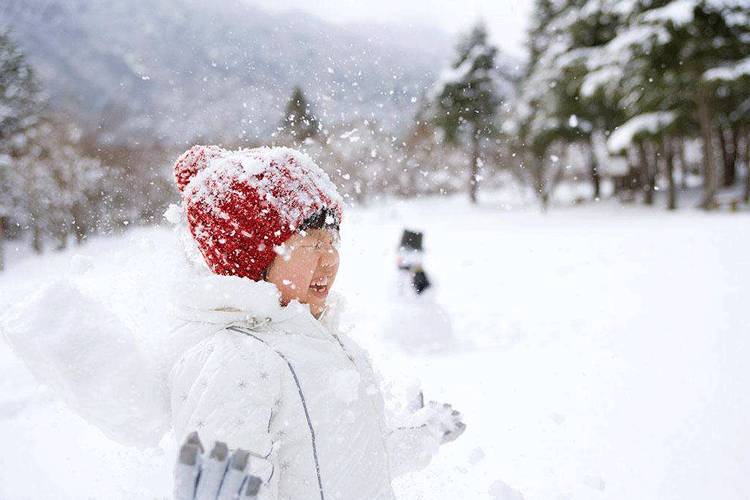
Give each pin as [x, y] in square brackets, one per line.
[242, 204]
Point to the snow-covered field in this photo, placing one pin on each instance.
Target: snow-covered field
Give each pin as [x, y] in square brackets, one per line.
[597, 352]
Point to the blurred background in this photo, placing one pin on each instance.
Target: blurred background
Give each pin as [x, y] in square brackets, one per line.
[578, 171]
[557, 102]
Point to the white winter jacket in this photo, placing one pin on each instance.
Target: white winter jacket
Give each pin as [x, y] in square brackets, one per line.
[238, 368]
[301, 397]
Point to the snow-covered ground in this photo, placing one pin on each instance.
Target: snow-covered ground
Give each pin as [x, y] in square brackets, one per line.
[598, 352]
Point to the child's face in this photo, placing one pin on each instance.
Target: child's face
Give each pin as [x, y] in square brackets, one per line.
[305, 268]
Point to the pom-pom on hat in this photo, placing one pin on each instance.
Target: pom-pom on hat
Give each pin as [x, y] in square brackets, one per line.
[243, 204]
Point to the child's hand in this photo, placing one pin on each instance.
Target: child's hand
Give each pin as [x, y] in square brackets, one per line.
[446, 421]
[440, 418]
[219, 476]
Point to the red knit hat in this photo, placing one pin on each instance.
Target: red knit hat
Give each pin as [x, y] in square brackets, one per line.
[242, 204]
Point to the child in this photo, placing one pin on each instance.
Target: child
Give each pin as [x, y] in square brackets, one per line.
[268, 372]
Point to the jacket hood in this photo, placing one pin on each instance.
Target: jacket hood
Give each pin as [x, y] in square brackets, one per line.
[202, 297]
[214, 299]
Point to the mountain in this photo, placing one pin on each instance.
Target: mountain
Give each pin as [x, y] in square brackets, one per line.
[179, 71]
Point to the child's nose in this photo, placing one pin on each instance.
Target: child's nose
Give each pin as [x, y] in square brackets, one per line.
[329, 259]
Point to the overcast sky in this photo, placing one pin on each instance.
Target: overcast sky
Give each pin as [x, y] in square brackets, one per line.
[507, 20]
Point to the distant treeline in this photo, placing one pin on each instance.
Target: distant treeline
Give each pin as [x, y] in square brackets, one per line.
[617, 98]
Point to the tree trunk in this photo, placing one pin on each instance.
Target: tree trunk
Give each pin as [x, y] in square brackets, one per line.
[78, 226]
[647, 180]
[728, 137]
[537, 172]
[684, 170]
[596, 178]
[669, 164]
[735, 136]
[2, 243]
[747, 167]
[474, 171]
[709, 165]
[634, 172]
[61, 230]
[653, 172]
[62, 240]
[36, 238]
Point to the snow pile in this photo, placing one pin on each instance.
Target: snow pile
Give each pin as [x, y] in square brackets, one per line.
[594, 80]
[678, 12]
[730, 72]
[639, 36]
[647, 123]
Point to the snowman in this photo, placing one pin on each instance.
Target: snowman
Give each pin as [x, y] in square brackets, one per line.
[417, 323]
[413, 280]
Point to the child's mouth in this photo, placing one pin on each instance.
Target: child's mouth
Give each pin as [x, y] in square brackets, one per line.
[320, 286]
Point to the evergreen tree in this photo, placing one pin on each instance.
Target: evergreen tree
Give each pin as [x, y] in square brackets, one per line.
[663, 52]
[19, 113]
[19, 96]
[466, 98]
[430, 166]
[536, 126]
[299, 123]
[588, 27]
[58, 189]
[730, 83]
[598, 65]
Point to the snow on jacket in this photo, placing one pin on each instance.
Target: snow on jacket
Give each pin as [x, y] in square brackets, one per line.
[237, 367]
[276, 381]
